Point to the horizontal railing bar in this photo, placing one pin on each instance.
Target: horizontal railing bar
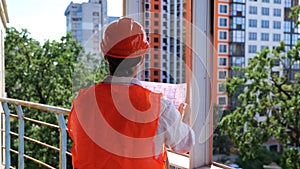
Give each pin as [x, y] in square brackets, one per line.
[34, 159]
[39, 142]
[41, 122]
[13, 115]
[36, 121]
[221, 165]
[68, 153]
[44, 107]
[36, 141]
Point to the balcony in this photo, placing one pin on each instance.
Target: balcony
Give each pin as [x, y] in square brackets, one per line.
[176, 161]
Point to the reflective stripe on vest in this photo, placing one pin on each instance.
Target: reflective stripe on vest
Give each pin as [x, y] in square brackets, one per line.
[114, 126]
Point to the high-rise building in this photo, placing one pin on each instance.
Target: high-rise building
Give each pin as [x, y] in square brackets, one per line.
[180, 33]
[243, 28]
[165, 24]
[85, 21]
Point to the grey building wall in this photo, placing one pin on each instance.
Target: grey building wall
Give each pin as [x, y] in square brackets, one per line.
[86, 21]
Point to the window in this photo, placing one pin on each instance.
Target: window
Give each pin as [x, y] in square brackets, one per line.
[222, 61]
[237, 61]
[252, 23]
[222, 100]
[156, 15]
[155, 72]
[155, 56]
[95, 13]
[156, 23]
[266, 1]
[147, 15]
[252, 49]
[222, 48]
[264, 23]
[287, 38]
[237, 49]
[147, 23]
[156, 6]
[262, 47]
[147, 6]
[276, 37]
[264, 36]
[237, 36]
[156, 39]
[238, 9]
[287, 26]
[222, 74]
[155, 64]
[252, 10]
[276, 25]
[223, 22]
[277, 12]
[288, 3]
[294, 38]
[223, 9]
[277, 1]
[265, 11]
[252, 36]
[223, 35]
[147, 64]
[221, 88]
[237, 23]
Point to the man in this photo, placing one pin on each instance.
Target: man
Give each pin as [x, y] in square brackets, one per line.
[119, 124]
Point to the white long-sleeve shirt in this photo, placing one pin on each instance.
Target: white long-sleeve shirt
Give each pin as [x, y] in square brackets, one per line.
[171, 130]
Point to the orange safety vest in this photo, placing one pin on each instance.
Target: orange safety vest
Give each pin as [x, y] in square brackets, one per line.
[113, 126]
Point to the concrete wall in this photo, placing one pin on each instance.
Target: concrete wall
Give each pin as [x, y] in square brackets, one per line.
[3, 22]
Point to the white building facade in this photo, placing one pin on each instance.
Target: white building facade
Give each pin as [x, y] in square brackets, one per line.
[85, 21]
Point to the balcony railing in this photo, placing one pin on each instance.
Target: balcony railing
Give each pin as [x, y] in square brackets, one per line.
[176, 161]
[18, 104]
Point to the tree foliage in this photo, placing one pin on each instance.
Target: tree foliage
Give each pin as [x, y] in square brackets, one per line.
[52, 74]
[271, 89]
[263, 157]
[38, 73]
[273, 96]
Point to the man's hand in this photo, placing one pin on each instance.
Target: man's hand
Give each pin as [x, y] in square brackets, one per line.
[185, 111]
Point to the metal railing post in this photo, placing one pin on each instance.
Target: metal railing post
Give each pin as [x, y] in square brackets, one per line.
[63, 142]
[21, 136]
[7, 134]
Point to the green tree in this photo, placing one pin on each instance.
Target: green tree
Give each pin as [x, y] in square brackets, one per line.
[266, 93]
[264, 157]
[273, 95]
[51, 74]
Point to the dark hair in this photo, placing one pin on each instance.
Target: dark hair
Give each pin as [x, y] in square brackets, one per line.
[123, 67]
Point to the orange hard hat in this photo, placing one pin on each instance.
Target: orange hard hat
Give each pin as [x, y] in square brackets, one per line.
[124, 38]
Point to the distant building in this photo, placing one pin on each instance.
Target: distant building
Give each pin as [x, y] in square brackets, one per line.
[112, 18]
[165, 23]
[243, 28]
[85, 21]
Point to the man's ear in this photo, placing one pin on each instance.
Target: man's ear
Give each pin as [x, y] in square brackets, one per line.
[105, 58]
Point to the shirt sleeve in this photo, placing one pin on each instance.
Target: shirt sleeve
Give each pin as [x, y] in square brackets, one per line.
[178, 135]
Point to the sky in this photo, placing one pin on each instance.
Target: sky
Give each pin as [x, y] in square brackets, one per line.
[45, 19]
